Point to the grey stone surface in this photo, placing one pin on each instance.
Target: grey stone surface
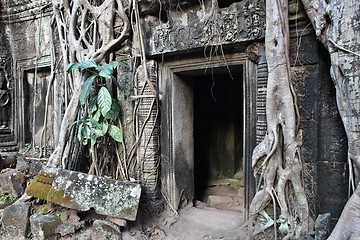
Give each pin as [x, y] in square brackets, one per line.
[322, 226]
[332, 190]
[12, 182]
[65, 229]
[241, 21]
[118, 221]
[29, 167]
[15, 219]
[22, 165]
[44, 225]
[105, 230]
[82, 191]
[7, 160]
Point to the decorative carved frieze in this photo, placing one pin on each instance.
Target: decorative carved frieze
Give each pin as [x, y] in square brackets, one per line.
[241, 21]
[16, 11]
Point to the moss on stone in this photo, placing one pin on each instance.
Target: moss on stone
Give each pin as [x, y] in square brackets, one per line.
[58, 196]
[50, 227]
[44, 208]
[20, 177]
[38, 190]
[44, 178]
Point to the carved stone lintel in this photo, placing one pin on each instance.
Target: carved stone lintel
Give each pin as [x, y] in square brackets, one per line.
[241, 21]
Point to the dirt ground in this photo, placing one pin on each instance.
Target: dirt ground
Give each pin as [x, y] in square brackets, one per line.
[192, 223]
[219, 219]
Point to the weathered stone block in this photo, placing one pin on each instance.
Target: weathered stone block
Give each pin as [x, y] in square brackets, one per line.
[118, 221]
[332, 191]
[185, 30]
[307, 97]
[29, 167]
[44, 225]
[65, 229]
[15, 219]
[332, 145]
[7, 160]
[82, 191]
[305, 51]
[322, 226]
[12, 182]
[105, 230]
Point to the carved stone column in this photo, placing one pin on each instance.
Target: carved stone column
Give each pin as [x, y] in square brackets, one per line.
[147, 130]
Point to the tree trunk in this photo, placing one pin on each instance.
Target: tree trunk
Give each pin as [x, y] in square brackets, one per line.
[349, 222]
[86, 32]
[278, 155]
[337, 24]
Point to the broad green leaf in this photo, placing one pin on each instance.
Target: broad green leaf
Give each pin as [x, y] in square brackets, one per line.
[72, 66]
[85, 89]
[98, 133]
[93, 139]
[114, 112]
[115, 133]
[72, 124]
[93, 104]
[104, 100]
[113, 64]
[88, 64]
[106, 71]
[79, 134]
[97, 115]
[87, 132]
[104, 127]
[94, 123]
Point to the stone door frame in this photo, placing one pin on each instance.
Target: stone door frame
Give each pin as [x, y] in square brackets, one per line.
[170, 92]
[22, 66]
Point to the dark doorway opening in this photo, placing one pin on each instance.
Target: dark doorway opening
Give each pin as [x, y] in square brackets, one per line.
[218, 133]
[35, 104]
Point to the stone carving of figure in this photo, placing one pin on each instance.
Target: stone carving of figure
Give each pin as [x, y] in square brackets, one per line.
[4, 102]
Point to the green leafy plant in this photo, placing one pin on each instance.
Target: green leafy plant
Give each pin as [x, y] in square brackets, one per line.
[6, 198]
[101, 111]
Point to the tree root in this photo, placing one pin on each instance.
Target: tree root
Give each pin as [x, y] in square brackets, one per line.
[277, 157]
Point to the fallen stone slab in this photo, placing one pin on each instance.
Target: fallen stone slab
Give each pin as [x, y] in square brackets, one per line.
[15, 220]
[82, 192]
[12, 182]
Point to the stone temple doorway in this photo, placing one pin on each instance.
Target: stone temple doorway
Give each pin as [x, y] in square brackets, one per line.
[218, 136]
[207, 127]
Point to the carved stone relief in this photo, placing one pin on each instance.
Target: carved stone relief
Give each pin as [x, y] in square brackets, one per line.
[27, 24]
[147, 129]
[16, 11]
[5, 102]
[241, 21]
[7, 129]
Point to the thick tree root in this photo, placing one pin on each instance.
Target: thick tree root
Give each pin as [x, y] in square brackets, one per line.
[277, 157]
